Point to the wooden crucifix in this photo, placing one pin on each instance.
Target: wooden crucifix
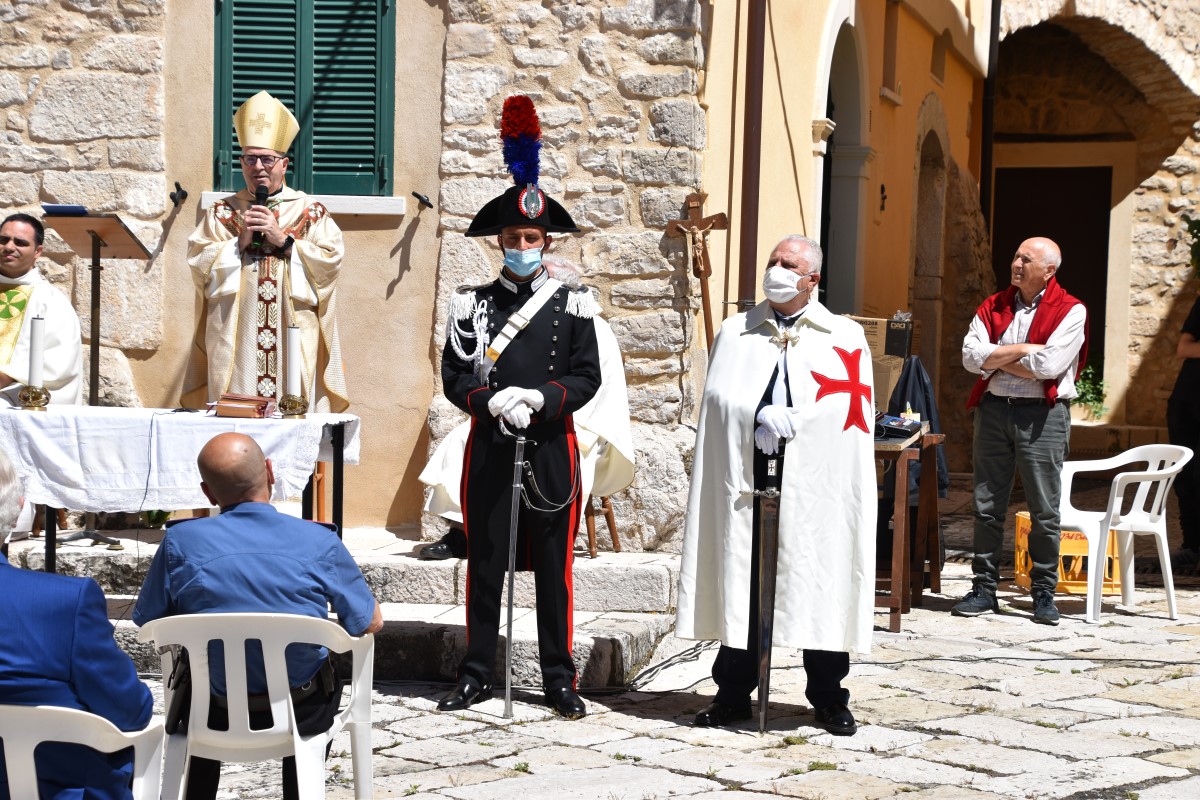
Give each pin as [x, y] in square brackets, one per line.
[696, 228]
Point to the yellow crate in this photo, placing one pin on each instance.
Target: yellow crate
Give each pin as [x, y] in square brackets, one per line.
[1072, 556]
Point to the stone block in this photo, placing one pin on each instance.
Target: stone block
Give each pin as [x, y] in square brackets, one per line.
[143, 155]
[632, 254]
[66, 28]
[662, 167]
[593, 54]
[1179, 165]
[590, 88]
[557, 116]
[471, 10]
[464, 39]
[23, 56]
[12, 89]
[559, 138]
[130, 302]
[465, 196]
[32, 158]
[18, 189]
[596, 160]
[15, 121]
[654, 367]
[660, 206]
[651, 512]
[115, 387]
[467, 89]
[598, 211]
[473, 140]
[126, 53]
[574, 16]
[530, 13]
[58, 116]
[622, 127]
[684, 49]
[656, 332]
[654, 16]
[140, 195]
[531, 57]
[678, 122]
[553, 165]
[457, 162]
[404, 580]
[658, 84]
[62, 59]
[653, 293]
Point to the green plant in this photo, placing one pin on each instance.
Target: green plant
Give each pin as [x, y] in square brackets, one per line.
[155, 519]
[1091, 391]
[788, 741]
[814, 766]
[1193, 229]
[521, 766]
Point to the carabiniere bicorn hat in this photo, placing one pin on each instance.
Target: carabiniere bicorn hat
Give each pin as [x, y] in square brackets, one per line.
[525, 203]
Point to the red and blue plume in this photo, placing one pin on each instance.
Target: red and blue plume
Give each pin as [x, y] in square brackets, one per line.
[522, 137]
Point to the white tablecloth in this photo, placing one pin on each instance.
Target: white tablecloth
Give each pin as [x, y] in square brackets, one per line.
[133, 459]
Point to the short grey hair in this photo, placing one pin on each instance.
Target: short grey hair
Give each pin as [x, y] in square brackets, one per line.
[813, 253]
[10, 495]
[562, 270]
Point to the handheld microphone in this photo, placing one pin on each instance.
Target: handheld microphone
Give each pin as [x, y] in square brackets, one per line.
[260, 199]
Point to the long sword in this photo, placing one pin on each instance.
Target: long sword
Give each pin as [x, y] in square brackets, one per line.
[768, 554]
[518, 459]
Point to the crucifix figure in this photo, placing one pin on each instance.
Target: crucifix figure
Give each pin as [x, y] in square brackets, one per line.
[696, 228]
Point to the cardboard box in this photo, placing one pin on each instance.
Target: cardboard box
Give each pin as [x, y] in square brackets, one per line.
[887, 337]
[886, 371]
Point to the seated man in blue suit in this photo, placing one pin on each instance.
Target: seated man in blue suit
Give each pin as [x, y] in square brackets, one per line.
[251, 558]
[58, 650]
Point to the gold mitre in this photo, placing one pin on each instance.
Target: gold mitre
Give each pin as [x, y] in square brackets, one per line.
[263, 121]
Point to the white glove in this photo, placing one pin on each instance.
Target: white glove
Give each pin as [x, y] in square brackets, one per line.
[518, 416]
[765, 440]
[530, 397]
[778, 420]
[501, 399]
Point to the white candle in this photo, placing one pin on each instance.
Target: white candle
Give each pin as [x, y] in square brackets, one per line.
[293, 360]
[37, 349]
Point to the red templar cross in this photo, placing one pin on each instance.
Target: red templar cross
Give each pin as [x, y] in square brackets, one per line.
[851, 384]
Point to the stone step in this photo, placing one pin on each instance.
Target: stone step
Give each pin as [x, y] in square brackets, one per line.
[623, 582]
[425, 641]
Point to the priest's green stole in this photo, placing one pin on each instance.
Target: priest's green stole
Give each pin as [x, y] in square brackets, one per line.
[13, 303]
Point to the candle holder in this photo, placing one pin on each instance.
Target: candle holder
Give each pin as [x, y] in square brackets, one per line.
[34, 398]
[292, 406]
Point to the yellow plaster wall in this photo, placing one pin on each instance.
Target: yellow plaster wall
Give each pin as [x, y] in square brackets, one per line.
[385, 306]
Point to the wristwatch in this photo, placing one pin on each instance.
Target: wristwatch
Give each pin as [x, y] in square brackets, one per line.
[287, 245]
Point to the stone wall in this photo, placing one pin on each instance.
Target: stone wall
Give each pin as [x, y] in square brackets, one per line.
[616, 91]
[81, 96]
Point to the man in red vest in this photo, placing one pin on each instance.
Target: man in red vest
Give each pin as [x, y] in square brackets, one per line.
[1027, 344]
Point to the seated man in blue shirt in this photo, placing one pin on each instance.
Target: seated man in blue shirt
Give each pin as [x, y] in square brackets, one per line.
[58, 650]
[251, 558]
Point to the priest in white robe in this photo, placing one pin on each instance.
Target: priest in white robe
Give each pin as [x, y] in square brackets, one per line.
[786, 372]
[25, 294]
[262, 265]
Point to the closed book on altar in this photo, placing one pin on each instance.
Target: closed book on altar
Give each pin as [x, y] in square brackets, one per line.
[244, 405]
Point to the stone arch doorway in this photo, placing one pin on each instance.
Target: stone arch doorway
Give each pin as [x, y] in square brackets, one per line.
[844, 177]
[927, 260]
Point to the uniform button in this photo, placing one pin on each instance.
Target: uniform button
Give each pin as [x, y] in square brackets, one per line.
[553, 352]
[556, 323]
[491, 326]
[493, 384]
[551, 368]
[556, 309]
[554, 338]
[489, 297]
[557, 295]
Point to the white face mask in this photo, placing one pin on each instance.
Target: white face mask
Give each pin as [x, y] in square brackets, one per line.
[780, 285]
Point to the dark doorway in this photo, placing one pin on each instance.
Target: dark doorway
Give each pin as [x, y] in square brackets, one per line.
[1070, 205]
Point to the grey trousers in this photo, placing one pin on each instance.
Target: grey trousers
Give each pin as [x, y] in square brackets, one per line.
[1031, 440]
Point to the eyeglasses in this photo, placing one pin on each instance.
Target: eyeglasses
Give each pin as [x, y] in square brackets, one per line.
[266, 161]
[18, 242]
[793, 267]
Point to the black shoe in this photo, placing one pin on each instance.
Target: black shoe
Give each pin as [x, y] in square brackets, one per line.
[836, 719]
[978, 601]
[718, 715]
[1043, 608]
[435, 552]
[463, 696]
[566, 702]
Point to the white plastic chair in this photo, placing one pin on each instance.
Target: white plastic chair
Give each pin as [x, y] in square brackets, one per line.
[23, 728]
[1144, 513]
[240, 743]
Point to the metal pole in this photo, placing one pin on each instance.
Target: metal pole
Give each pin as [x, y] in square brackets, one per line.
[751, 154]
[94, 349]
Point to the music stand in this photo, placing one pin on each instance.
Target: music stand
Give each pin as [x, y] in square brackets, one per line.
[104, 236]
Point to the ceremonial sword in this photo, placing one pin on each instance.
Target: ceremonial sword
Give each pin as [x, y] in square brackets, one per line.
[768, 554]
[518, 460]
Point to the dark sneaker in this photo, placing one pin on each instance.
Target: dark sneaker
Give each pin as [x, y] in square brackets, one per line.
[1043, 608]
[978, 601]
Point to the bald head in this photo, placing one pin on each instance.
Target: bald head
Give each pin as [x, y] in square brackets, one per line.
[1033, 265]
[233, 470]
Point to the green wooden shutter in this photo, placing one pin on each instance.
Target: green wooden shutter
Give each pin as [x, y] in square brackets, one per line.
[330, 62]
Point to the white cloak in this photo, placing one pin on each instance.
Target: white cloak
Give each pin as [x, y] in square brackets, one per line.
[606, 454]
[62, 364]
[824, 598]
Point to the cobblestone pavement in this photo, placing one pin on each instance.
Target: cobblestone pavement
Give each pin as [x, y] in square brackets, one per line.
[993, 707]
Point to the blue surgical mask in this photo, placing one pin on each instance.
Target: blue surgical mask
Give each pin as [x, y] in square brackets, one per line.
[523, 262]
